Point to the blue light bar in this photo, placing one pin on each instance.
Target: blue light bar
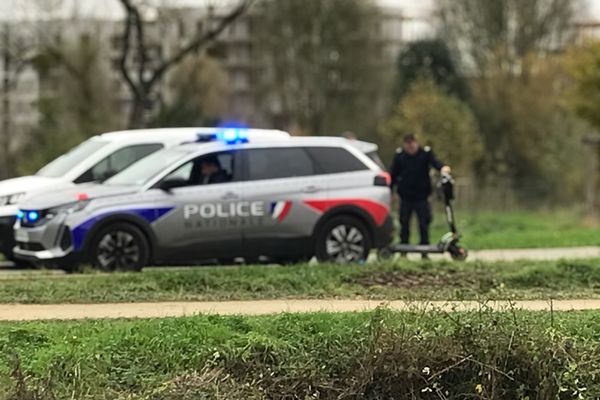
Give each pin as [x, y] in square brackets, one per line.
[233, 135]
[20, 214]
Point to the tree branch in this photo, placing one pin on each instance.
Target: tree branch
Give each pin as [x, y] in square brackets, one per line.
[200, 41]
[129, 21]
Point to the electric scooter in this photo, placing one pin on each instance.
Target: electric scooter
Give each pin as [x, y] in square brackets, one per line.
[449, 243]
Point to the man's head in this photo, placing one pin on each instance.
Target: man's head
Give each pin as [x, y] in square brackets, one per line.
[410, 144]
[210, 166]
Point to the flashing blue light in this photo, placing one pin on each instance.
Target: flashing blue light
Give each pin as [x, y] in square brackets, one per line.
[233, 135]
[20, 214]
[33, 216]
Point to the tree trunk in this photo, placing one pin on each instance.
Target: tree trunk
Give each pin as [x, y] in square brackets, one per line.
[136, 114]
[5, 164]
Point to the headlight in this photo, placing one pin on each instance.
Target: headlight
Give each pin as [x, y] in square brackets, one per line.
[11, 199]
[67, 209]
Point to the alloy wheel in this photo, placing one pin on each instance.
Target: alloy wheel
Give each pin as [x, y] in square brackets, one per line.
[118, 250]
[345, 244]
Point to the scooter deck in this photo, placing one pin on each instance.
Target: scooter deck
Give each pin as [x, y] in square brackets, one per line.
[409, 248]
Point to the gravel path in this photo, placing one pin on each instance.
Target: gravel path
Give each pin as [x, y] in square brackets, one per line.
[178, 309]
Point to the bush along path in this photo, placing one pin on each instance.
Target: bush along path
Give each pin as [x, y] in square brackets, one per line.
[375, 355]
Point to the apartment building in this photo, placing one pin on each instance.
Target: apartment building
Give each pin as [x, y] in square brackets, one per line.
[167, 29]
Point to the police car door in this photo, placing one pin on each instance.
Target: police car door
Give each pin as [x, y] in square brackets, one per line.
[205, 222]
[280, 180]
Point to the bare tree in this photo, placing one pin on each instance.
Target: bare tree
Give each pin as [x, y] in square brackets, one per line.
[143, 75]
[494, 34]
[16, 53]
[325, 72]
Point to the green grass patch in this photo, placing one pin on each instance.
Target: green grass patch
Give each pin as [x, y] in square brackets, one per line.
[377, 355]
[392, 280]
[519, 229]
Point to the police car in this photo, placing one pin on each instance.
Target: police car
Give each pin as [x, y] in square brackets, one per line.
[223, 197]
[95, 160]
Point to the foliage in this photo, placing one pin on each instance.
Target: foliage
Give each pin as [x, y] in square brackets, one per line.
[76, 101]
[429, 59]
[400, 279]
[502, 34]
[530, 137]
[439, 120]
[582, 64]
[377, 355]
[324, 74]
[198, 89]
[531, 140]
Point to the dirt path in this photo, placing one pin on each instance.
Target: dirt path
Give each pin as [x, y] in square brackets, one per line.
[178, 309]
[535, 254]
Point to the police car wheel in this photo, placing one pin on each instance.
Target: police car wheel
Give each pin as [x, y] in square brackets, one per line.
[343, 240]
[120, 247]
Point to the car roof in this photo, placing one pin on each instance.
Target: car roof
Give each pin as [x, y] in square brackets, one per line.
[280, 141]
[180, 133]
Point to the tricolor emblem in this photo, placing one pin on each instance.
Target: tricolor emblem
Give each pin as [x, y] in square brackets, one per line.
[280, 210]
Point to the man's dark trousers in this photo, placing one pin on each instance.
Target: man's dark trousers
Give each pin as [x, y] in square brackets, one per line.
[423, 210]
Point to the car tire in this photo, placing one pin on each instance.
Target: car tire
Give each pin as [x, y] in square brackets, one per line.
[119, 247]
[343, 240]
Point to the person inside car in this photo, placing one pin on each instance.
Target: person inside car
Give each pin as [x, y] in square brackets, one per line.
[209, 171]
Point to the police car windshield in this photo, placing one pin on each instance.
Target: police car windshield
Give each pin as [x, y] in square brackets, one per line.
[147, 168]
[65, 163]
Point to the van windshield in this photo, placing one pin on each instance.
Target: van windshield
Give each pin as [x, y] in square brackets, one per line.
[68, 161]
[147, 168]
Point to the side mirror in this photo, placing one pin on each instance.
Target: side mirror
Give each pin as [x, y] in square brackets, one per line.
[170, 184]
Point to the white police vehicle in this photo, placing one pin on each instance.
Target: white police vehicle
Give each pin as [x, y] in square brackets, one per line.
[95, 160]
[226, 196]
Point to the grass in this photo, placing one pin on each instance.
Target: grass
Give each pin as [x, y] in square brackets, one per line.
[377, 355]
[519, 229]
[393, 280]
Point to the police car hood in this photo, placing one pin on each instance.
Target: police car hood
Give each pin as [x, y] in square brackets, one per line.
[56, 198]
[28, 184]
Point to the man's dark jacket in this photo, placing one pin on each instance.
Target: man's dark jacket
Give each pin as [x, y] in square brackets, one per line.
[410, 173]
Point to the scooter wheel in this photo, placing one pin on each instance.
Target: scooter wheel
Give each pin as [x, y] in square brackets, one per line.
[385, 254]
[459, 253]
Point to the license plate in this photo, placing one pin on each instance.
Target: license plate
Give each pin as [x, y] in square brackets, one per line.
[21, 236]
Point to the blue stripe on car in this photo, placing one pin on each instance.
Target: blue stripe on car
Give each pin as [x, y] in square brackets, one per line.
[149, 214]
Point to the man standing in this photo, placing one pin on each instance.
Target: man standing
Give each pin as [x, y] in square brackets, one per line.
[410, 174]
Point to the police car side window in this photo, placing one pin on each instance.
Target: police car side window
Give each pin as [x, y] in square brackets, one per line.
[117, 162]
[276, 163]
[205, 170]
[335, 160]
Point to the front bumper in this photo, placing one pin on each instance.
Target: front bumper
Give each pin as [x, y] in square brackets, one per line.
[48, 242]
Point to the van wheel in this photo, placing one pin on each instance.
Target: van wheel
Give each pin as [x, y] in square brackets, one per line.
[343, 240]
[119, 247]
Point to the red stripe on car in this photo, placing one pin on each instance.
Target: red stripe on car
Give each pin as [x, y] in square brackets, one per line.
[378, 211]
[285, 212]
